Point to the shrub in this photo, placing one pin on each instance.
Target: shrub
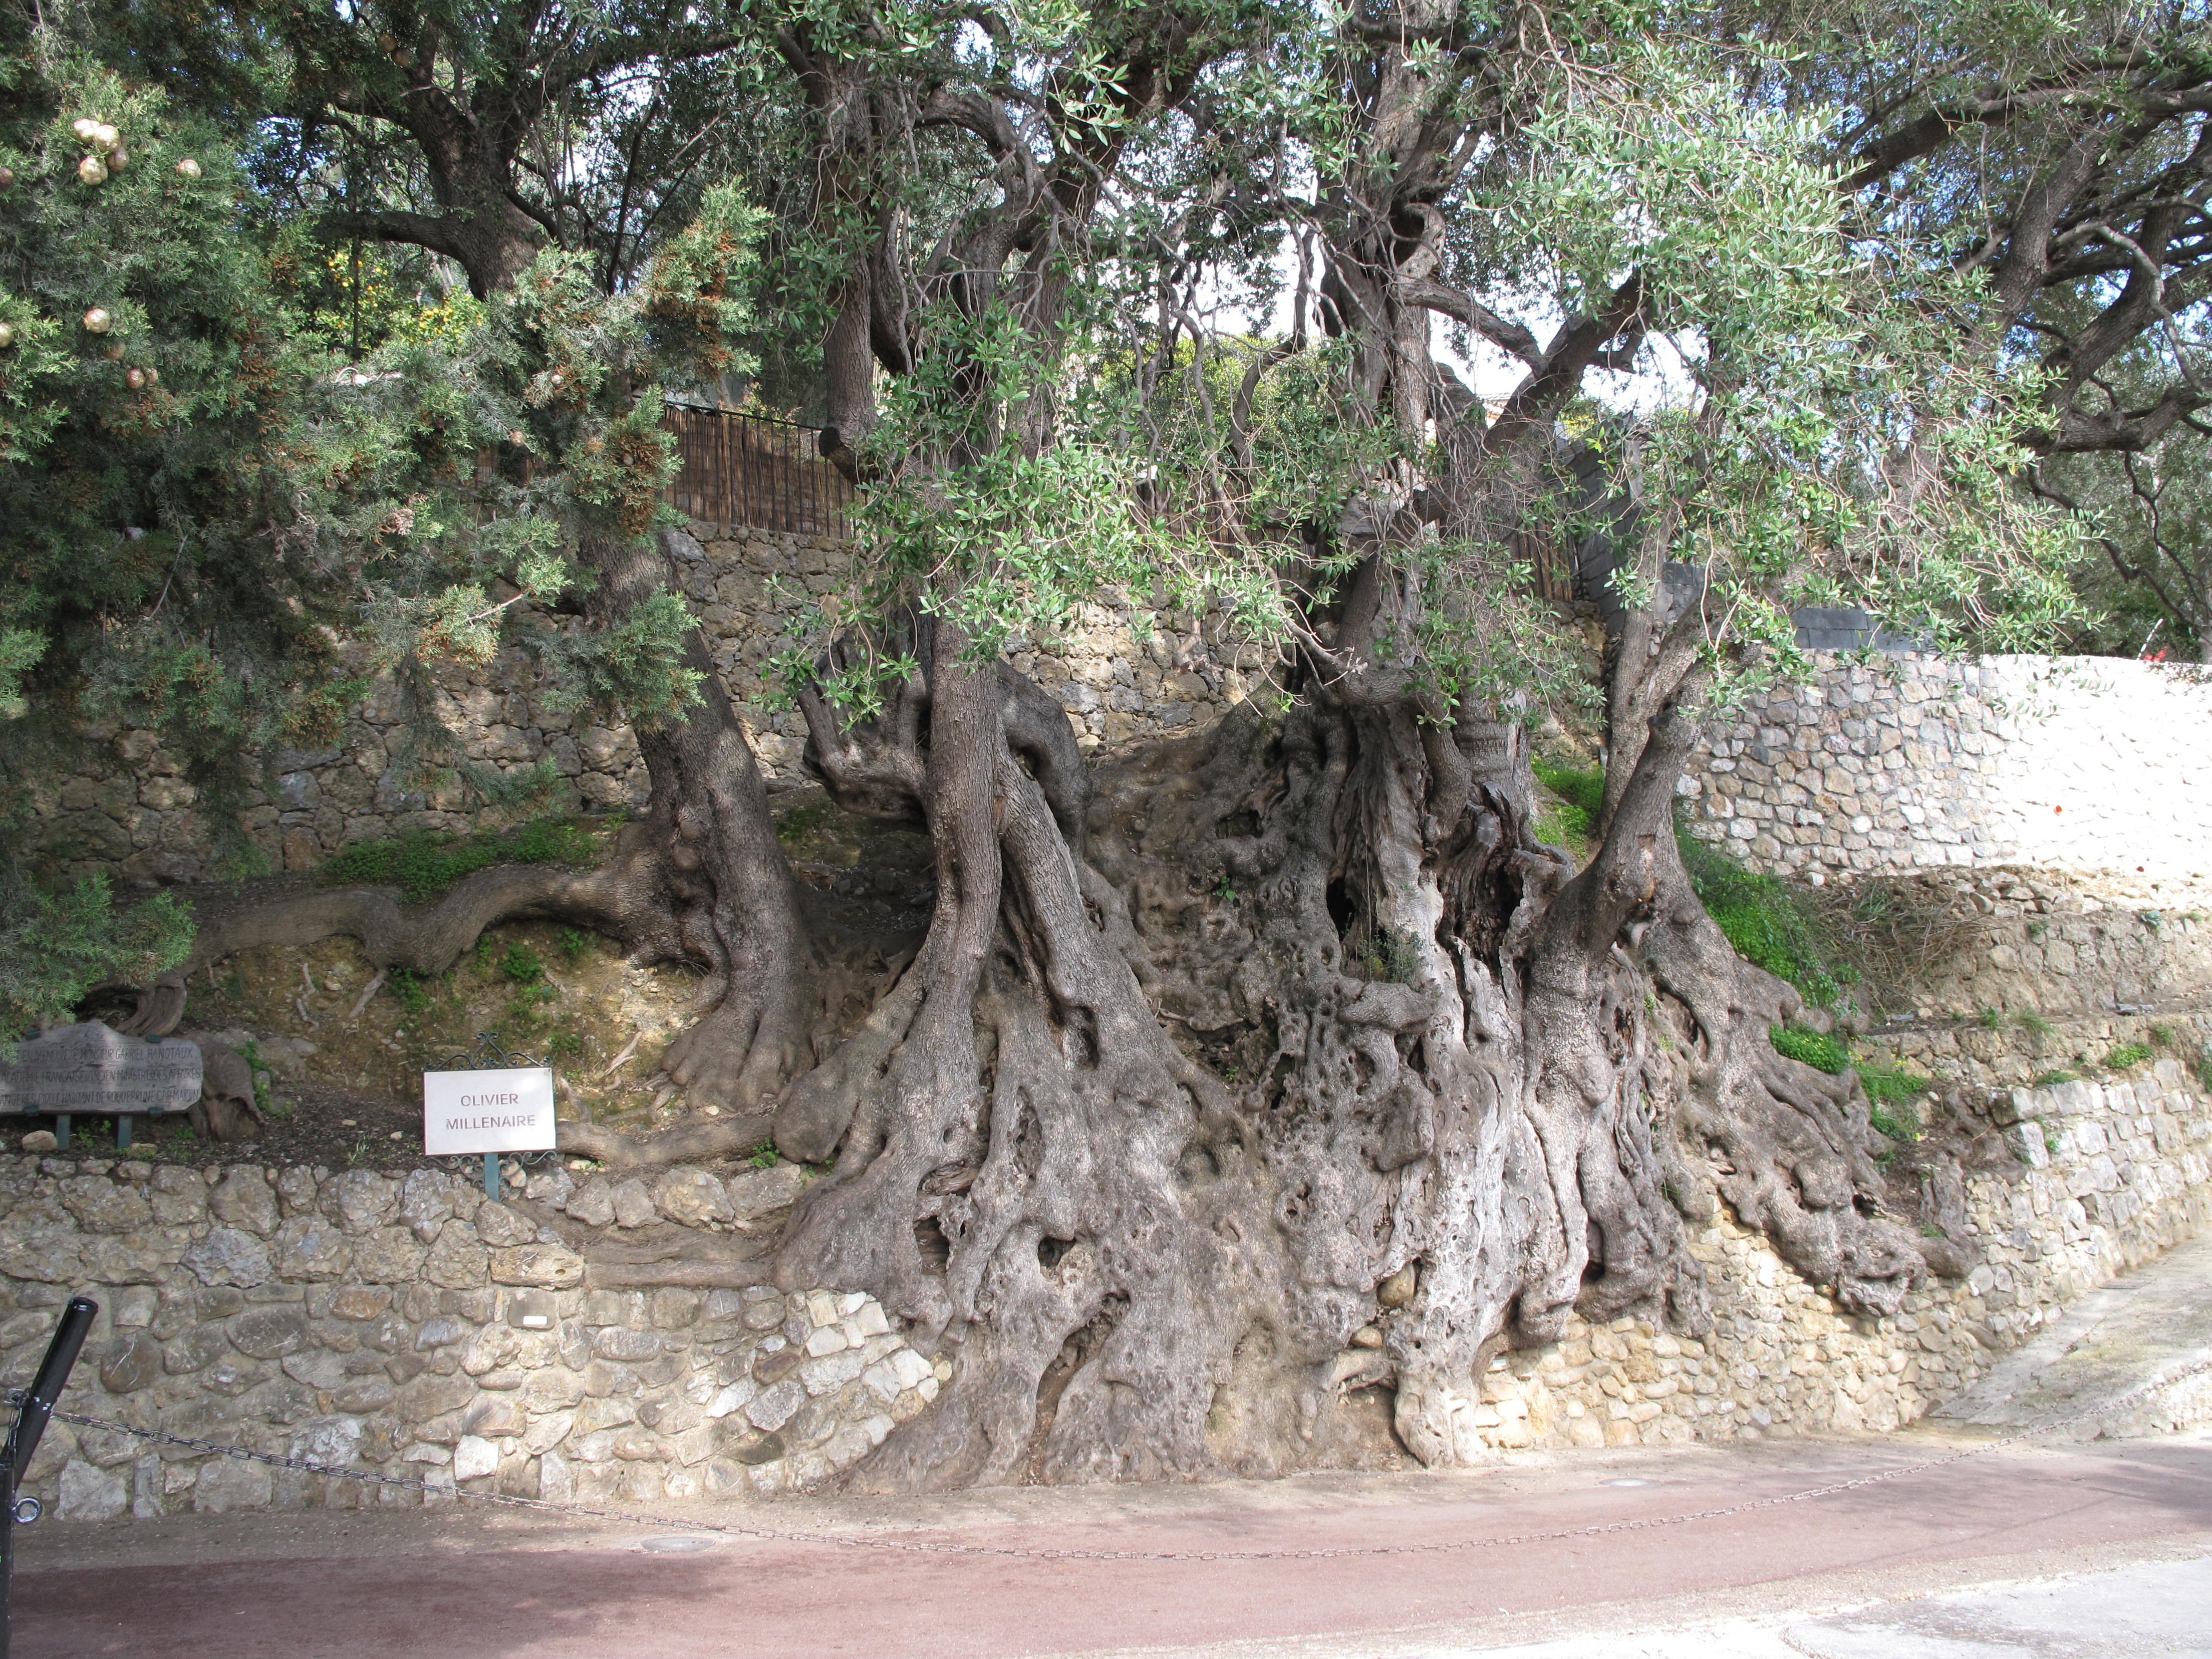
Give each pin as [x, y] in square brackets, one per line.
[1885, 1085]
[57, 946]
[410, 991]
[1895, 1122]
[2127, 1055]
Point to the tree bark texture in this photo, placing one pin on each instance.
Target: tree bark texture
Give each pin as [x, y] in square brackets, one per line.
[1148, 1126]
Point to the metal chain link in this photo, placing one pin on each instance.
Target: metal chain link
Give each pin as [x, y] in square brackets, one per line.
[772, 1535]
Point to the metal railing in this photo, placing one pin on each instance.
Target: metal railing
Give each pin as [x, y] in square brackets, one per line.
[735, 469]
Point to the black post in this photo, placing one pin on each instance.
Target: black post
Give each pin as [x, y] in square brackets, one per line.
[23, 1438]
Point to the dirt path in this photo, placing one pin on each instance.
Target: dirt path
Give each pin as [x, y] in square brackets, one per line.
[464, 1585]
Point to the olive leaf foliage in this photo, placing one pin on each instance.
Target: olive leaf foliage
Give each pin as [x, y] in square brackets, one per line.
[1808, 424]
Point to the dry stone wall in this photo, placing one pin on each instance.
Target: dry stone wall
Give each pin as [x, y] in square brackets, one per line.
[2107, 1177]
[408, 1327]
[2072, 763]
[2052, 970]
[1121, 672]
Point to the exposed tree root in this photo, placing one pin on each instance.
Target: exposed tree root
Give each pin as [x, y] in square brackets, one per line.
[1189, 1067]
[699, 879]
[1406, 1041]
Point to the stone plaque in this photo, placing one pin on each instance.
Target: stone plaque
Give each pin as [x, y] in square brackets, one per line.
[91, 1070]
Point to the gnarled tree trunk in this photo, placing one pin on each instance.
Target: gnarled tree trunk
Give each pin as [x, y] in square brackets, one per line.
[1157, 1109]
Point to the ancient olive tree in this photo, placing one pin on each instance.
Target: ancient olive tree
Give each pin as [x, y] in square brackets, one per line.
[1212, 1057]
[1203, 1047]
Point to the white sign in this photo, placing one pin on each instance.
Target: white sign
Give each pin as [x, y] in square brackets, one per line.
[487, 1111]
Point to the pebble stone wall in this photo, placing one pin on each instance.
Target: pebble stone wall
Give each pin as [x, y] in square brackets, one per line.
[1120, 674]
[412, 1328]
[388, 1324]
[2071, 762]
[2108, 1178]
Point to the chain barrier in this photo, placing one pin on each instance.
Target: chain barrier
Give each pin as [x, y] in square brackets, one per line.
[909, 1546]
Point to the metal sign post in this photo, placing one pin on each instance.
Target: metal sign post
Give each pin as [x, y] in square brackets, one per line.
[31, 1415]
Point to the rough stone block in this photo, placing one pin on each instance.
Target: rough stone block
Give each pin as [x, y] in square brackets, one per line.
[633, 1204]
[229, 1256]
[131, 1363]
[474, 1457]
[90, 1494]
[244, 1199]
[547, 1266]
[773, 1406]
[498, 1225]
[456, 1260]
[225, 1484]
[691, 1198]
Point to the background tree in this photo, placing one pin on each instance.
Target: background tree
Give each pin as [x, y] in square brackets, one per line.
[140, 380]
[2150, 592]
[562, 145]
[2059, 157]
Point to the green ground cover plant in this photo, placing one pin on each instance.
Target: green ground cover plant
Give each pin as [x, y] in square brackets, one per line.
[1815, 1048]
[1770, 923]
[1581, 791]
[424, 863]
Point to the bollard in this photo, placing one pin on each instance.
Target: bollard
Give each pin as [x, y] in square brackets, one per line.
[30, 1425]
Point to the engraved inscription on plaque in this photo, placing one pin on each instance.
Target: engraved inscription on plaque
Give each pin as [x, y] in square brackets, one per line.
[92, 1070]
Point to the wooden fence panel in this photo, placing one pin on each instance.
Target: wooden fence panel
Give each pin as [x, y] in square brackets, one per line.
[736, 469]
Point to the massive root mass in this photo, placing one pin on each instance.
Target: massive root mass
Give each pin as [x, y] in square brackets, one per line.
[1213, 1060]
[1284, 1032]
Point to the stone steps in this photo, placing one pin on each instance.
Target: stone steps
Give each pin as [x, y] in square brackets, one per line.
[2150, 1330]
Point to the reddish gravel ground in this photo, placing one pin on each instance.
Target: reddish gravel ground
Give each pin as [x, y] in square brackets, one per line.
[474, 1585]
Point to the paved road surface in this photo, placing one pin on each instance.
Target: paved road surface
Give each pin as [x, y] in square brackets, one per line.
[2162, 1607]
[478, 1585]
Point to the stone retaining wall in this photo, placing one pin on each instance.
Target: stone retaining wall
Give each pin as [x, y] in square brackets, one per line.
[2108, 1178]
[411, 1327]
[2072, 763]
[131, 811]
[2047, 970]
